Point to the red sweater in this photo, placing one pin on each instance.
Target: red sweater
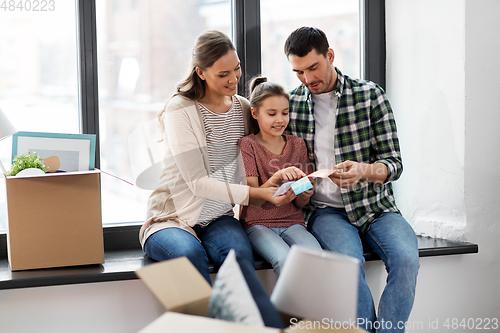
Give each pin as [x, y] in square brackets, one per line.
[260, 162]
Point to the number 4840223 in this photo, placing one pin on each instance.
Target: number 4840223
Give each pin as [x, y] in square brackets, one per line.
[471, 323]
[28, 5]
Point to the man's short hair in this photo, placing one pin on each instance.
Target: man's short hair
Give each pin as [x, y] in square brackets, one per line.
[303, 40]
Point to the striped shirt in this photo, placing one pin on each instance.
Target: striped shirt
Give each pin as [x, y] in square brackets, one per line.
[223, 131]
[365, 131]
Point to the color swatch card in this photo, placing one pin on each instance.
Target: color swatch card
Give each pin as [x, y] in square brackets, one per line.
[299, 186]
[323, 173]
[304, 183]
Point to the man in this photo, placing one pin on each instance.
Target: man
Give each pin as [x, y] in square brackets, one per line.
[348, 125]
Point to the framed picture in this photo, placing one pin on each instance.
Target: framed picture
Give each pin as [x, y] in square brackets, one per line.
[60, 152]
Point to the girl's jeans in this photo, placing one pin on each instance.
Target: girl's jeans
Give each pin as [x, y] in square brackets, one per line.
[273, 244]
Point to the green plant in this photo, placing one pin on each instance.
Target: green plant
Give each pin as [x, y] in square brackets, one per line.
[26, 161]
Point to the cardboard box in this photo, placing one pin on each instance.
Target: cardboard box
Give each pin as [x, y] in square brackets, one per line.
[54, 220]
[177, 285]
[182, 323]
[185, 294]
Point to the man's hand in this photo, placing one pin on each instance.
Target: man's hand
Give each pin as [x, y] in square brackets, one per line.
[354, 172]
[348, 178]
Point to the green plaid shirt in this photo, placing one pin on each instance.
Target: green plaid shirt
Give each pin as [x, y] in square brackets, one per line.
[365, 132]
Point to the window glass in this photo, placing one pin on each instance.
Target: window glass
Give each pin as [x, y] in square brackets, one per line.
[38, 73]
[143, 52]
[339, 19]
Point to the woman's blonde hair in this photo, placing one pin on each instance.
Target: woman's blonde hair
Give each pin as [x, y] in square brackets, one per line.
[209, 47]
[261, 89]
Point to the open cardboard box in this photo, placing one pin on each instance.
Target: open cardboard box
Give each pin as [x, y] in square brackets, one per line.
[185, 295]
[54, 220]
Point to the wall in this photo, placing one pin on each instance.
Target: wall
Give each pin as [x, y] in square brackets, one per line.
[426, 85]
[442, 65]
[108, 307]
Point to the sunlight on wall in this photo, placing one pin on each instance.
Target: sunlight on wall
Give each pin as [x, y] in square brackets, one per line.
[430, 113]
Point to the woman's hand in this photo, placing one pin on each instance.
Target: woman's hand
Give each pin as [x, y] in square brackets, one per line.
[259, 195]
[283, 199]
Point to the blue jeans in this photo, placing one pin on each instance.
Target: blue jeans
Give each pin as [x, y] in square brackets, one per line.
[273, 244]
[395, 242]
[217, 239]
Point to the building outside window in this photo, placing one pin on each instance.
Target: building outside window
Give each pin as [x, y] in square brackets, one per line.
[143, 52]
[339, 19]
[38, 74]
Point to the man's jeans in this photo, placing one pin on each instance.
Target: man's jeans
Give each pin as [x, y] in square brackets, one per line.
[273, 244]
[395, 242]
[217, 239]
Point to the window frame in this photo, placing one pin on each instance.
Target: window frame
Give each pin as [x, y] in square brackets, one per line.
[87, 70]
[247, 32]
[373, 42]
[246, 22]
[247, 36]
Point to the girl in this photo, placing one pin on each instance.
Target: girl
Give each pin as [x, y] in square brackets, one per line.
[191, 211]
[273, 229]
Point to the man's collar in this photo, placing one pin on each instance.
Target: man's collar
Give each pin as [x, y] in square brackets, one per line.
[340, 83]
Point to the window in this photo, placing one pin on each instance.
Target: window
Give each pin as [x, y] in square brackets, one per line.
[143, 52]
[339, 19]
[131, 55]
[38, 75]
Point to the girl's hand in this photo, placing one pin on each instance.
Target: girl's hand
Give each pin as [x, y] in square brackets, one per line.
[304, 197]
[289, 174]
[307, 194]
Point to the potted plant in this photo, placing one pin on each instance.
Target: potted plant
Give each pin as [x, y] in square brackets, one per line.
[27, 164]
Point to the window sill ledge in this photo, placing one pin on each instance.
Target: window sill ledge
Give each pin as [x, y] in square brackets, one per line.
[120, 265]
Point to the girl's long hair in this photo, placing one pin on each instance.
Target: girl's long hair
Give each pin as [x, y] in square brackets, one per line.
[209, 47]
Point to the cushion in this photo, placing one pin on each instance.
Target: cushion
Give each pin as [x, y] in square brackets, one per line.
[231, 298]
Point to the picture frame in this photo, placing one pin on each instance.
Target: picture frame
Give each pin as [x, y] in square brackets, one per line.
[72, 152]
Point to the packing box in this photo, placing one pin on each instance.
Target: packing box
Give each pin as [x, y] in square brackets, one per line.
[182, 323]
[185, 294]
[54, 220]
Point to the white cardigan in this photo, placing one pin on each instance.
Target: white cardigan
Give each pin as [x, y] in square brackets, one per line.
[185, 182]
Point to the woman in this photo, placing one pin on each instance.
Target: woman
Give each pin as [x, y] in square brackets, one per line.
[191, 212]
